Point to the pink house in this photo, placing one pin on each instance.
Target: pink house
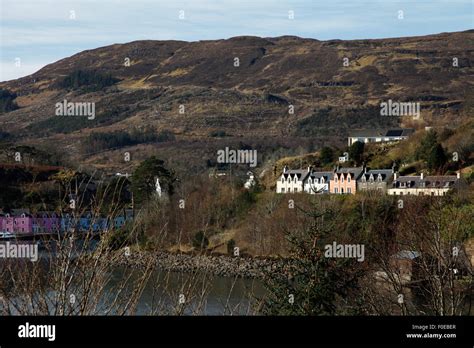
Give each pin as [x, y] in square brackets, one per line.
[3, 222]
[19, 224]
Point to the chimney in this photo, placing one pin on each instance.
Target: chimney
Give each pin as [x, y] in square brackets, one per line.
[421, 176]
[393, 167]
[458, 175]
[394, 176]
[309, 169]
[285, 169]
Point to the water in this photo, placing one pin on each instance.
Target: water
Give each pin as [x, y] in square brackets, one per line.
[196, 294]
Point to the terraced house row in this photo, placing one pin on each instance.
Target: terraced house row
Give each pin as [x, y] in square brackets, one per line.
[350, 180]
[20, 221]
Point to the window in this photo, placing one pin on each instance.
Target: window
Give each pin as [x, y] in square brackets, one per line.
[349, 178]
[349, 190]
[342, 190]
[335, 190]
[342, 178]
[335, 178]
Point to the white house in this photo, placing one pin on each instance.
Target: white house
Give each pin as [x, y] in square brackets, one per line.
[344, 157]
[379, 135]
[250, 181]
[317, 182]
[301, 180]
[292, 180]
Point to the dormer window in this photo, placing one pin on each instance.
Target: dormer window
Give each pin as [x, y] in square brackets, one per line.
[342, 178]
[282, 179]
[371, 178]
[379, 178]
[335, 178]
[349, 178]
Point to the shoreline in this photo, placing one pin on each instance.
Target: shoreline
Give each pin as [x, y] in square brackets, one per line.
[218, 265]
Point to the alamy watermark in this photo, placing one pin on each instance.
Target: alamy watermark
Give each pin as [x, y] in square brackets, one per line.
[393, 108]
[351, 251]
[19, 251]
[66, 108]
[237, 156]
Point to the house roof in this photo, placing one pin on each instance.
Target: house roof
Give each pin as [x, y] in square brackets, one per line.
[391, 132]
[385, 173]
[355, 171]
[318, 175]
[407, 255]
[301, 174]
[437, 181]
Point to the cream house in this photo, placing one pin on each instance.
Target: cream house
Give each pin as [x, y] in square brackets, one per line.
[423, 185]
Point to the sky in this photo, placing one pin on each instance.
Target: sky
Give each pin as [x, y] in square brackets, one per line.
[35, 33]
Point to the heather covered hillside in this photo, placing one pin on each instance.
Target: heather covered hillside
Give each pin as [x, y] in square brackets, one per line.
[283, 96]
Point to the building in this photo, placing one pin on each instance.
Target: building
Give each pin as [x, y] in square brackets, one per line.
[317, 182]
[292, 180]
[344, 180]
[250, 181]
[45, 222]
[379, 135]
[375, 180]
[423, 185]
[344, 157]
[18, 224]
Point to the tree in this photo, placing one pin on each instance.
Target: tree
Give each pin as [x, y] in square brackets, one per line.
[436, 157]
[356, 151]
[312, 284]
[144, 179]
[426, 144]
[326, 156]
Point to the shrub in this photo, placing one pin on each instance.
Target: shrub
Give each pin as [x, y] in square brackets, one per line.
[200, 241]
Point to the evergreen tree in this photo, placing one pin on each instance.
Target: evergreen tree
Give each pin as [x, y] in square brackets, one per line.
[326, 156]
[313, 284]
[144, 179]
[436, 157]
[356, 152]
[431, 152]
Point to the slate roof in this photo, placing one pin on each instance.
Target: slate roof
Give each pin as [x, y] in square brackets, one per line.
[356, 171]
[385, 173]
[438, 181]
[391, 132]
[301, 174]
[318, 175]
